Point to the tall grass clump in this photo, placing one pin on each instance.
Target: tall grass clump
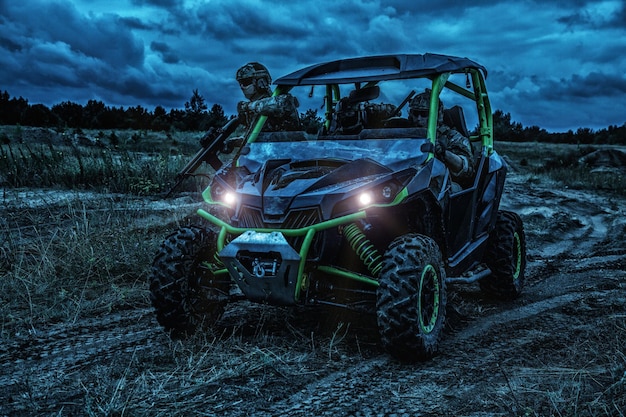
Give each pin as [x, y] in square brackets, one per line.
[73, 261]
[71, 167]
[566, 165]
[570, 169]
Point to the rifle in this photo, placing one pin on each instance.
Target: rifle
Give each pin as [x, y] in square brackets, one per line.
[406, 100]
[212, 143]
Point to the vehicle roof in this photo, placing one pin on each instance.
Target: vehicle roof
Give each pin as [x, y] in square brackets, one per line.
[378, 68]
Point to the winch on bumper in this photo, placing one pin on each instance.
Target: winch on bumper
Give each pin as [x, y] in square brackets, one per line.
[264, 266]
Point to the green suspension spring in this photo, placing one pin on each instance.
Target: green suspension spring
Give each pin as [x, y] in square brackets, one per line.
[366, 252]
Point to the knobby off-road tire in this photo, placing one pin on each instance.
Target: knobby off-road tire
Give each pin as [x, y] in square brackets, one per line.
[184, 292]
[411, 298]
[505, 255]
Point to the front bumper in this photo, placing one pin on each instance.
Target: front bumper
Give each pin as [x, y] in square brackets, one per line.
[268, 269]
[264, 266]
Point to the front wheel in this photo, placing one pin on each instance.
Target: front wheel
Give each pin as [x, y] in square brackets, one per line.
[506, 257]
[184, 290]
[411, 298]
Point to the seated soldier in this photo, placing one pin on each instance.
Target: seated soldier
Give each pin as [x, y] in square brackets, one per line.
[355, 113]
[452, 148]
[281, 110]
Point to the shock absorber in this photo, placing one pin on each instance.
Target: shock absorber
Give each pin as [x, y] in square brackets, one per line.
[364, 249]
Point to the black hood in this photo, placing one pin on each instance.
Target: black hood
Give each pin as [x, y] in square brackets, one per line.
[295, 175]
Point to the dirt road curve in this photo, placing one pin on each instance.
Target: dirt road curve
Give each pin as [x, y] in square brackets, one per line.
[558, 350]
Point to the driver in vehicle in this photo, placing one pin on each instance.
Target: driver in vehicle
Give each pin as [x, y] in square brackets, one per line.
[452, 148]
[282, 110]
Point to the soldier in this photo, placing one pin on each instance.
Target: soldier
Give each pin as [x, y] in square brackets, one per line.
[281, 110]
[351, 118]
[451, 147]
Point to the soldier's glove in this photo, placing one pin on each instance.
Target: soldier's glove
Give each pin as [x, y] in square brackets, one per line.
[231, 143]
[440, 149]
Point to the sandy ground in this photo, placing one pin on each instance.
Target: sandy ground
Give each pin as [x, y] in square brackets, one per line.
[558, 350]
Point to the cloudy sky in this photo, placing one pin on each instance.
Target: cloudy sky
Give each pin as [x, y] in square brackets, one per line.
[556, 64]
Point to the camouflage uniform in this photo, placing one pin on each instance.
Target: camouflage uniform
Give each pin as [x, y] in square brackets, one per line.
[281, 111]
[460, 146]
[447, 138]
[352, 118]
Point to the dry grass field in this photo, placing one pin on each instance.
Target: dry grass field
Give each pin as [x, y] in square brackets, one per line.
[78, 335]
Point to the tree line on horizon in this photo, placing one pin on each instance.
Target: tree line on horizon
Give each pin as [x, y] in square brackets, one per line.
[197, 117]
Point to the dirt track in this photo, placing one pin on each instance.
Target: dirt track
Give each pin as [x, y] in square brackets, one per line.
[558, 350]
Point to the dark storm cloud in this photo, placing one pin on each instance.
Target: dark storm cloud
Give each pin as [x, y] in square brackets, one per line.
[583, 17]
[542, 56]
[158, 3]
[169, 56]
[595, 84]
[52, 45]
[9, 45]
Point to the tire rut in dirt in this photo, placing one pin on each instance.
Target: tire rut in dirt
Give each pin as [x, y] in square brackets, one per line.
[64, 349]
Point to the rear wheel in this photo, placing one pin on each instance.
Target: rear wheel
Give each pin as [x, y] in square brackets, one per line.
[411, 298]
[184, 291]
[506, 257]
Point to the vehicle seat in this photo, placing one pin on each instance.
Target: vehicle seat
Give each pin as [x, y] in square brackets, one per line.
[455, 118]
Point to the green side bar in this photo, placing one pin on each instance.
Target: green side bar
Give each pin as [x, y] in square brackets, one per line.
[257, 128]
[437, 86]
[460, 90]
[328, 224]
[485, 117]
[304, 250]
[348, 274]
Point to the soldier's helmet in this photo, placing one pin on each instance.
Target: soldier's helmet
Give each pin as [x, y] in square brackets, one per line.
[254, 80]
[419, 107]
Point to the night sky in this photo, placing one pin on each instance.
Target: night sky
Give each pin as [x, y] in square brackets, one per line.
[555, 64]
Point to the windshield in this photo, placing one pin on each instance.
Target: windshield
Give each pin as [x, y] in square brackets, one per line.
[394, 154]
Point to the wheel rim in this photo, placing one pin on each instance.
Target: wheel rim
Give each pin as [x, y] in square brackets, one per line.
[428, 299]
[517, 251]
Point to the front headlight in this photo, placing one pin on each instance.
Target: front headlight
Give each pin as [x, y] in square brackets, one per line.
[381, 194]
[388, 192]
[223, 196]
[365, 198]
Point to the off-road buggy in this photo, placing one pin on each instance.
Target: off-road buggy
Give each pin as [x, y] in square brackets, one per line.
[359, 215]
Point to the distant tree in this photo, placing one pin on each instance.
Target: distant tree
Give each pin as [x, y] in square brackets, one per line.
[584, 135]
[69, 114]
[12, 109]
[535, 134]
[311, 122]
[114, 118]
[137, 118]
[215, 118]
[177, 119]
[195, 111]
[93, 114]
[159, 111]
[5, 100]
[160, 120]
[196, 103]
[504, 128]
[39, 115]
